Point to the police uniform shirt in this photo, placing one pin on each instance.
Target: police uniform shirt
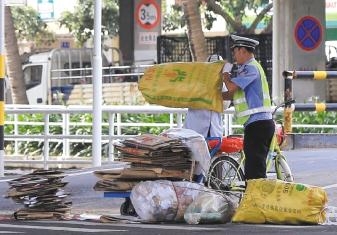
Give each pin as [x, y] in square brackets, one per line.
[249, 80]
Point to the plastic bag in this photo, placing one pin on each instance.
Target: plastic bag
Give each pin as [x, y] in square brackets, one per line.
[331, 215]
[184, 85]
[196, 143]
[163, 200]
[209, 208]
[279, 202]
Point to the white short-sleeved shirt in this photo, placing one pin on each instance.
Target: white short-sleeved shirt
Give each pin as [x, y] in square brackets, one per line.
[204, 122]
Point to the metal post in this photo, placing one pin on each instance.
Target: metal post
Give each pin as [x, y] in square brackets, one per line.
[315, 75]
[288, 92]
[179, 120]
[46, 142]
[317, 107]
[97, 86]
[276, 50]
[2, 87]
[66, 131]
[111, 157]
[288, 111]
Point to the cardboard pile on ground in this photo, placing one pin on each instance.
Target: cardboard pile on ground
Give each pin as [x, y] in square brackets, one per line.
[151, 157]
[42, 194]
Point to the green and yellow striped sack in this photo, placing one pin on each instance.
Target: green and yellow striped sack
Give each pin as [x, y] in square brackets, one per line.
[184, 85]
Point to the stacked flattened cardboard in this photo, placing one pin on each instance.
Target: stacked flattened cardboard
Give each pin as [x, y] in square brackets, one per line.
[151, 157]
[42, 194]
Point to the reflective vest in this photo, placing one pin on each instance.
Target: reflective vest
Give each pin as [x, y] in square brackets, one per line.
[239, 99]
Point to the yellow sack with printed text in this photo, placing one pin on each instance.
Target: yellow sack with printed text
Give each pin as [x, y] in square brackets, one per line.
[279, 202]
[184, 85]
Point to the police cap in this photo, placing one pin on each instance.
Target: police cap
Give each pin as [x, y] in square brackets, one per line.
[239, 41]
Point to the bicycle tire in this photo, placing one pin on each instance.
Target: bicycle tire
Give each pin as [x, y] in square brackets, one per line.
[283, 171]
[225, 176]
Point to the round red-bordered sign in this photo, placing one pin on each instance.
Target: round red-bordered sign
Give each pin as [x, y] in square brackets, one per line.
[148, 14]
[308, 33]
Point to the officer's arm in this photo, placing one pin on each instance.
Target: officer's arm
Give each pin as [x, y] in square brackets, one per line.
[231, 86]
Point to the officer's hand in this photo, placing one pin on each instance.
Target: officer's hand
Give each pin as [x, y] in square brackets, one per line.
[226, 77]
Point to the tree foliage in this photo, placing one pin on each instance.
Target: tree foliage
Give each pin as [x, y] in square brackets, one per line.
[81, 22]
[30, 27]
[234, 12]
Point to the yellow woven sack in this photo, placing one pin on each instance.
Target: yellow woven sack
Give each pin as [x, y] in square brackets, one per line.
[184, 85]
[278, 202]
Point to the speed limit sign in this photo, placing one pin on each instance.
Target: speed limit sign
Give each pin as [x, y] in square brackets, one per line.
[148, 14]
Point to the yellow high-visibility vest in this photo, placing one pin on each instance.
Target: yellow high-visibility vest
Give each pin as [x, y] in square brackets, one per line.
[240, 103]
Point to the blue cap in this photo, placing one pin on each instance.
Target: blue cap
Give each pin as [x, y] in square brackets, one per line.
[239, 41]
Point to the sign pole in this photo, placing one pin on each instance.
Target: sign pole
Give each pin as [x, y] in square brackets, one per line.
[97, 87]
[2, 87]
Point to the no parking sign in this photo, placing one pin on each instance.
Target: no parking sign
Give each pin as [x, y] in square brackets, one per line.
[308, 33]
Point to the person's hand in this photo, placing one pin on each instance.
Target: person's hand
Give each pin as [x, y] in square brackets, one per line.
[226, 76]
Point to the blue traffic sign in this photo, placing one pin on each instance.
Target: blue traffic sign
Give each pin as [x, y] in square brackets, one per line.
[308, 33]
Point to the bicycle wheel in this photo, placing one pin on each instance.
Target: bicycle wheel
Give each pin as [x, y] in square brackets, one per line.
[226, 176]
[282, 169]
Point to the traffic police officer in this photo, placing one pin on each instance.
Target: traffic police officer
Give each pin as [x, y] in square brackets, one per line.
[250, 93]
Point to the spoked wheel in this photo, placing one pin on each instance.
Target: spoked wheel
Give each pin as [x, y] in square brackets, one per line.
[282, 168]
[227, 177]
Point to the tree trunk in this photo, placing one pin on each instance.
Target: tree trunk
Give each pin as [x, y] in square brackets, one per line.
[195, 34]
[14, 65]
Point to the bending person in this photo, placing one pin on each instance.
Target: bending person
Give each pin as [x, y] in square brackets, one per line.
[205, 122]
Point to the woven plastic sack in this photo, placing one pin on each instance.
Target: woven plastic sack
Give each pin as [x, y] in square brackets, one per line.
[184, 85]
[279, 202]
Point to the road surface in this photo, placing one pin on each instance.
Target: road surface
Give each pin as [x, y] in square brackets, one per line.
[309, 166]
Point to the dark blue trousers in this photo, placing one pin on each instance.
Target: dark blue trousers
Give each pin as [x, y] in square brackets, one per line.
[257, 139]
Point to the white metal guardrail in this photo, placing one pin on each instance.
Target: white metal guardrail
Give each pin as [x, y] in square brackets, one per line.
[109, 74]
[114, 124]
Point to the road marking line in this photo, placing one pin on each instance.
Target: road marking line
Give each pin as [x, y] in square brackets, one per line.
[330, 186]
[67, 174]
[140, 225]
[71, 174]
[5, 180]
[89, 230]
[79, 173]
[8, 232]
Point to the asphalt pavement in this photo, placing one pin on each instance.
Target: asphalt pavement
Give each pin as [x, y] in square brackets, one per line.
[309, 166]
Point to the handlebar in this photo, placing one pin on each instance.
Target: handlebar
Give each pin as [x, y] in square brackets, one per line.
[283, 104]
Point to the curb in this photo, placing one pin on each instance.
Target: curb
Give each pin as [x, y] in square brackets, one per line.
[311, 140]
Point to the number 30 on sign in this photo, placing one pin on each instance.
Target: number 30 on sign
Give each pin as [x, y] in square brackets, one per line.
[148, 14]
